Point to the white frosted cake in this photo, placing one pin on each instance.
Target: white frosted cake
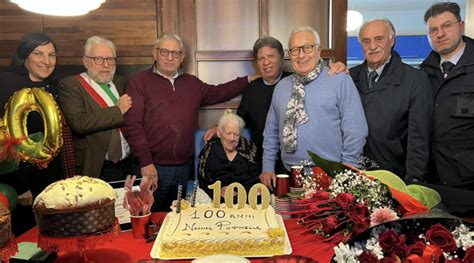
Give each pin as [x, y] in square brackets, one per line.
[79, 205]
[204, 230]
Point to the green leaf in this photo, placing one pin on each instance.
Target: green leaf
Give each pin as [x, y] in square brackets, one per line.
[390, 179]
[425, 195]
[331, 168]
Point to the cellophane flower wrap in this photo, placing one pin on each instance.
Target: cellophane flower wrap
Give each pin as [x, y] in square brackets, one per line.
[348, 202]
[412, 240]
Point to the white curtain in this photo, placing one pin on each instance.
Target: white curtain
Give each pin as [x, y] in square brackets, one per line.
[469, 27]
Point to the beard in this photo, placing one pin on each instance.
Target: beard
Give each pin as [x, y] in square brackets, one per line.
[101, 79]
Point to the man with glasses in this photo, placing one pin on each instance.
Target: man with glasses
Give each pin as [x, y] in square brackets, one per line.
[450, 68]
[311, 110]
[397, 102]
[94, 104]
[269, 55]
[160, 126]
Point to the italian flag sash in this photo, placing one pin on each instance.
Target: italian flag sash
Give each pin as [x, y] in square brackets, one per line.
[96, 92]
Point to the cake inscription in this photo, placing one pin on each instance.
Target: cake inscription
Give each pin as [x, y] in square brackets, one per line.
[219, 225]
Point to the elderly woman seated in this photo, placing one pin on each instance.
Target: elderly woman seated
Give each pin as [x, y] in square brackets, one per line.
[228, 157]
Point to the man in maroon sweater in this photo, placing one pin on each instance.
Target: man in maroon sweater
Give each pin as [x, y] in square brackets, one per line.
[160, 126]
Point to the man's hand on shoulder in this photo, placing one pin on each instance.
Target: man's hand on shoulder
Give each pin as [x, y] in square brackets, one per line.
[268, 178]
[124, 103]
[210, 133]
[253, 77]
[336, 68]
[26, 198]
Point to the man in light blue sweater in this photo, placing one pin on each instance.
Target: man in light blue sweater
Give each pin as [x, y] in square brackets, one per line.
[311, 110]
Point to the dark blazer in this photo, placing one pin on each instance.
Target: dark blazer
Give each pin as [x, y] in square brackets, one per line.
[91, 124]
[398, 110]
[453, 148]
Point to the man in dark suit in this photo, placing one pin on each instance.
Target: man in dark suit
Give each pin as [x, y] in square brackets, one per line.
[94, 103]
[450, 68]
[397, 102]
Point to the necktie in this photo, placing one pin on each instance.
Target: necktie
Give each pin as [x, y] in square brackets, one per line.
[372, 76]
[447, 66]
[115, 145]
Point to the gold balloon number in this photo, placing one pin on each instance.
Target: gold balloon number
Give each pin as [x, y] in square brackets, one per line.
[23, 102]
[241, 195]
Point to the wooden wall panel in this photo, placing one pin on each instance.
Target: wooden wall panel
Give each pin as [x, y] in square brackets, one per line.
[132, 25]
[14, 22]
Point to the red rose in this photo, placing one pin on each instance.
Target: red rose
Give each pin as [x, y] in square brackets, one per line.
[469, 255]
[367, 257]
[330, 224]
[360, 226]
[440, 236]
[454, 260]
[388, 240]
[359, 210]
[321, 196]
[388, 260]
[345, 200]
[416, 248]
[400, 251]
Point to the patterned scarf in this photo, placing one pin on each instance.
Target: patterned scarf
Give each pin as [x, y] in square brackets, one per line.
[296, 108]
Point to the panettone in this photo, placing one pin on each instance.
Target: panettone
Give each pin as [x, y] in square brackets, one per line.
[5, 225]
[75, 206]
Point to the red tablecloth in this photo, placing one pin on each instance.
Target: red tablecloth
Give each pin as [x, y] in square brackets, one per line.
[127, 249]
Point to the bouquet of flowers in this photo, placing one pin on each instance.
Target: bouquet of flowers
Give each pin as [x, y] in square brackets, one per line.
[412, 240]
[349, 202]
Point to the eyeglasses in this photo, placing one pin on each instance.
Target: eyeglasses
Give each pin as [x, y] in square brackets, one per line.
[166, 52]
[100, 60]
[446, 27]
[307, 49]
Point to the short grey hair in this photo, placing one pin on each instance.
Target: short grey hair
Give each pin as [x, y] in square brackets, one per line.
[98, 40]
[305, 29]
[169, 36]
[230, 117]
[387, 22]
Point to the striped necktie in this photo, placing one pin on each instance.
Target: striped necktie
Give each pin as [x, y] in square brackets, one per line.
[371, 79]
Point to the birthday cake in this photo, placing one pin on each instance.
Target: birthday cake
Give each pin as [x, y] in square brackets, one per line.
[204, 230]
[75, 206]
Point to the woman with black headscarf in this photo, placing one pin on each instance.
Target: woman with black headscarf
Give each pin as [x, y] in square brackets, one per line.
[33, 65]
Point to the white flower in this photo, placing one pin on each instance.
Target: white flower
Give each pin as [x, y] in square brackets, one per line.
[344, 254]
[463, 237]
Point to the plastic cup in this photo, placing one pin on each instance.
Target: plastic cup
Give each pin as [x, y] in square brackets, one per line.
[282, 184]
[296, 176]
[140, 226]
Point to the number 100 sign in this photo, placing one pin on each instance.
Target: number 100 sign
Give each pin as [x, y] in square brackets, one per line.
[241, 195]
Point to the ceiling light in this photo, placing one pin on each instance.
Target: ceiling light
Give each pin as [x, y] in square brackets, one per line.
[354, 20]
[59, 7]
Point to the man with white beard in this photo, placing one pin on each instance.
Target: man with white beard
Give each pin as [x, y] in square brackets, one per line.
[94, 103]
